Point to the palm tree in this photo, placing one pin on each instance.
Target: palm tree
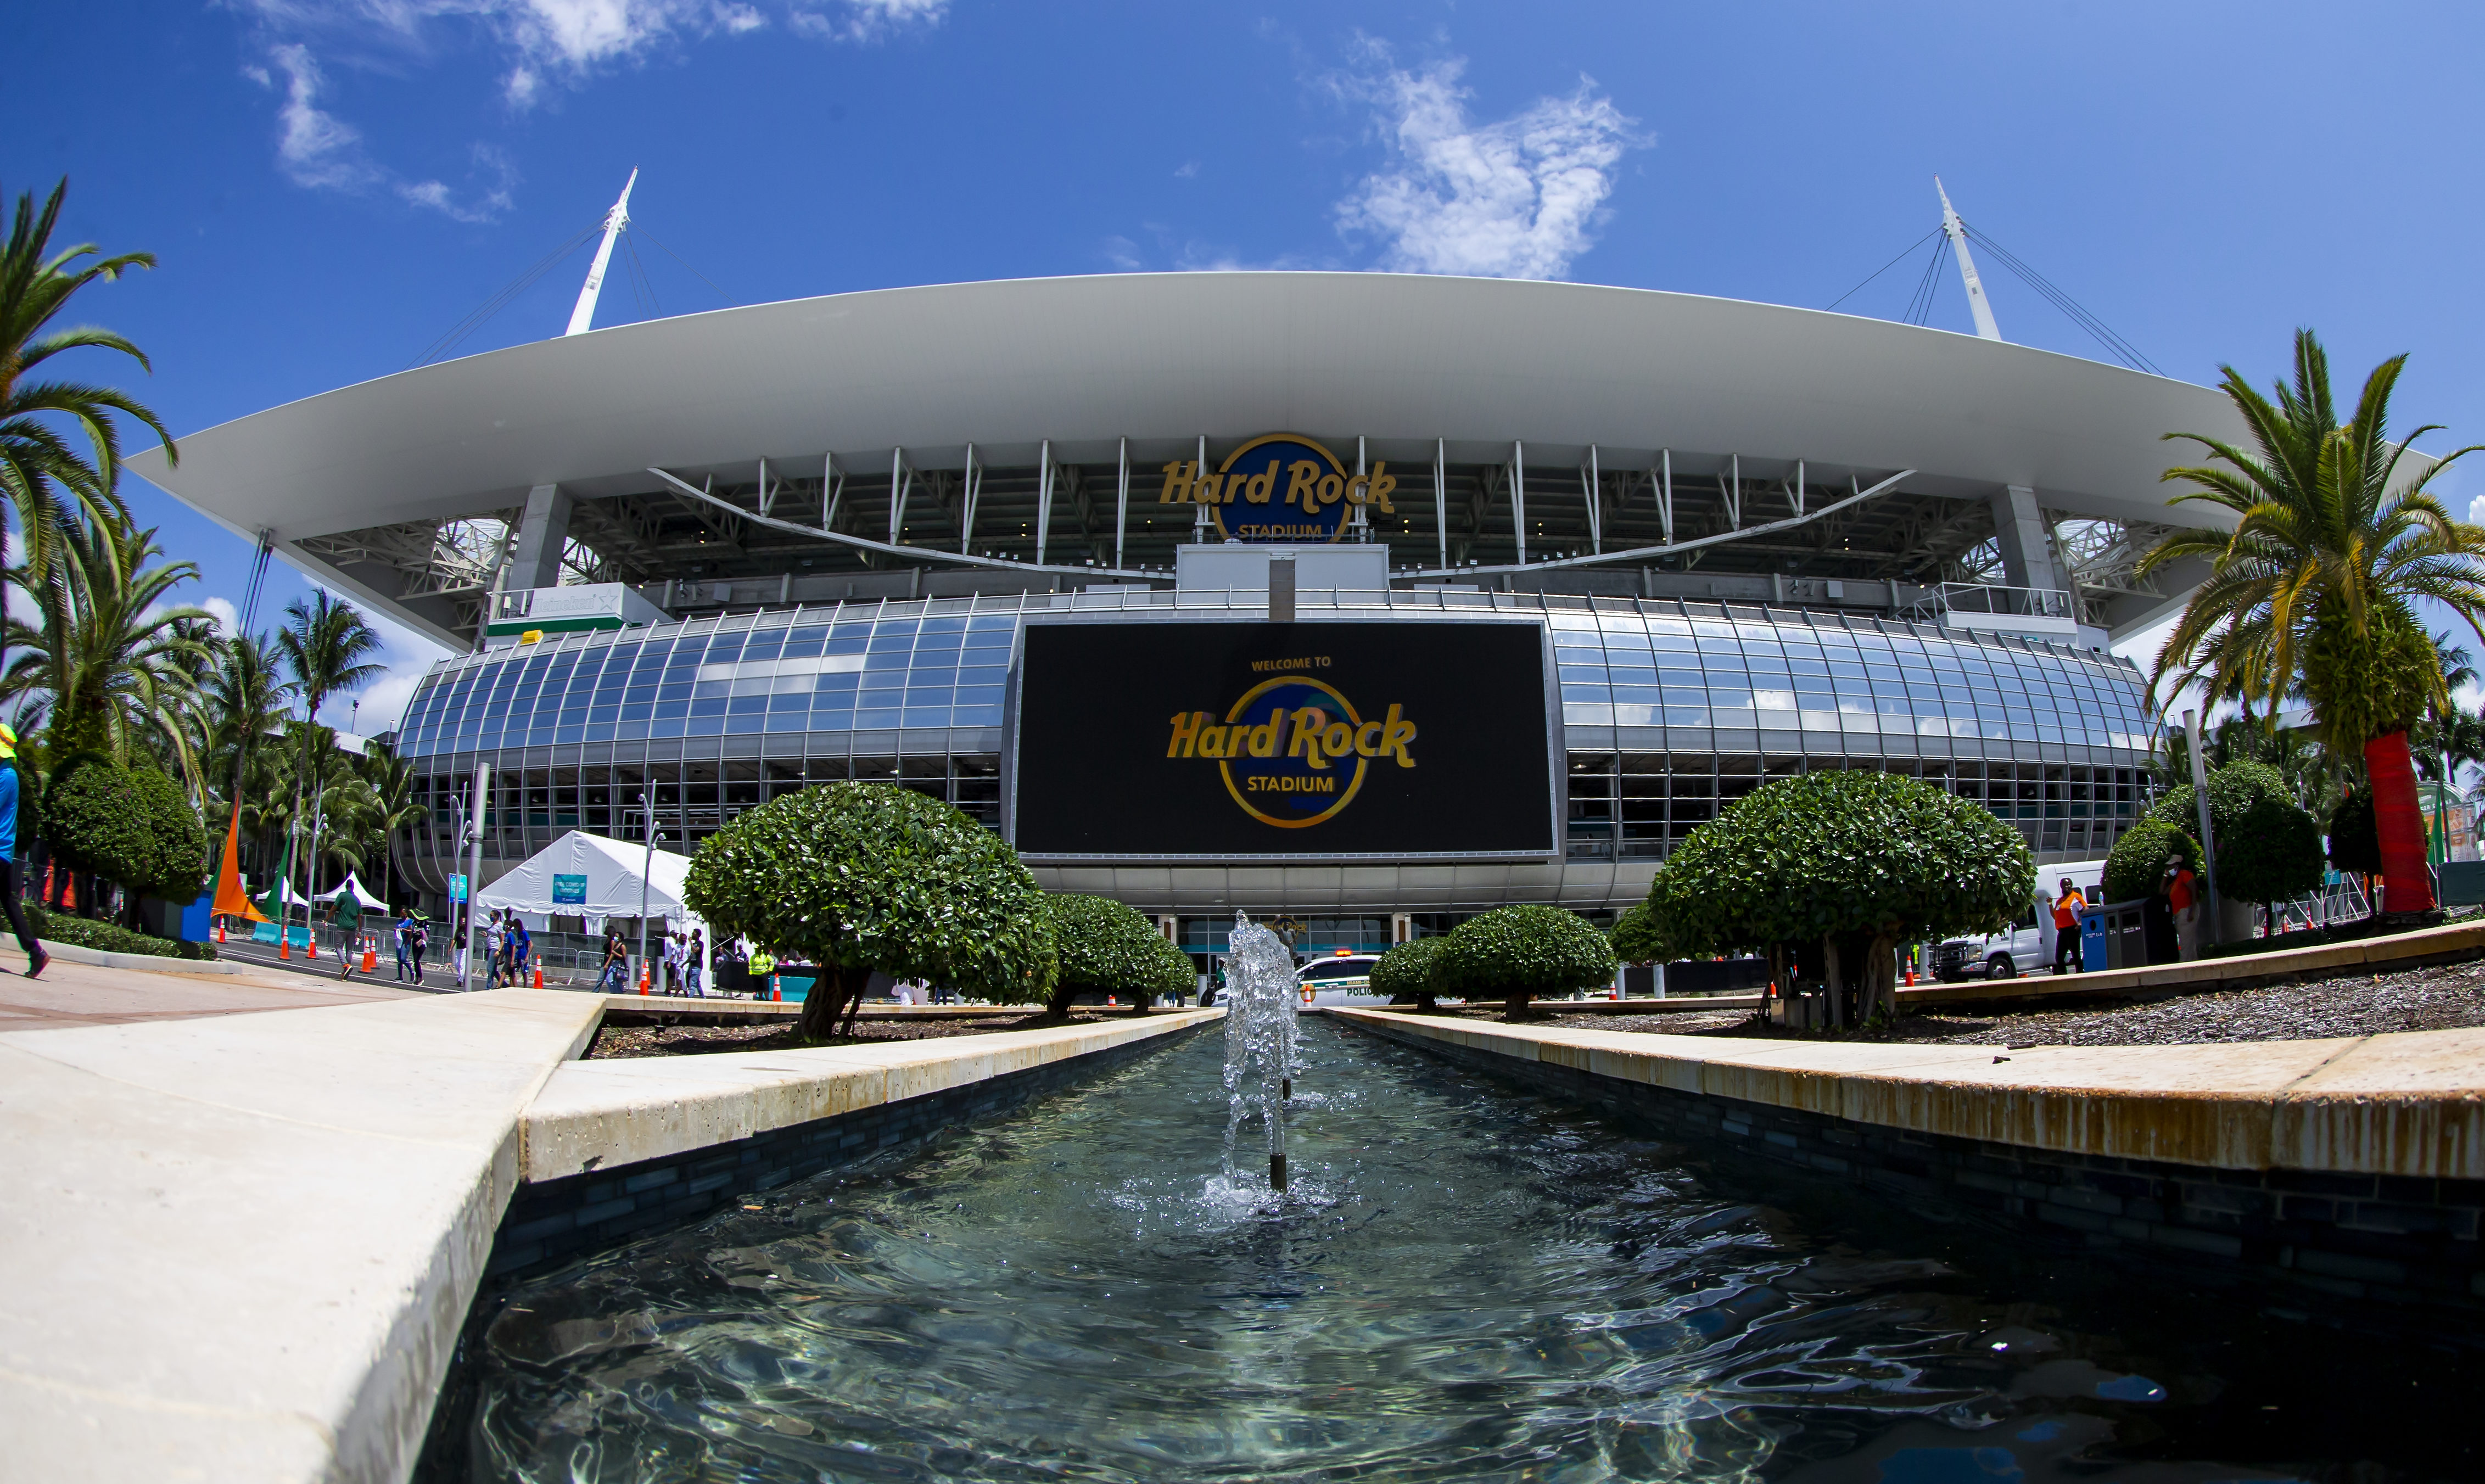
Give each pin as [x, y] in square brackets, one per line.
[393, 805]
[2315, 587]
[43, 476]
[326, 644]
[113, 661]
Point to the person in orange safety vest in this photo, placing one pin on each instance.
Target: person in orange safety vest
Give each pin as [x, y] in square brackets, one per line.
[2067, 908]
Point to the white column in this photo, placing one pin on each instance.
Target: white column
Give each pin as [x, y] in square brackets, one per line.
[2027, 550]
[543, 533]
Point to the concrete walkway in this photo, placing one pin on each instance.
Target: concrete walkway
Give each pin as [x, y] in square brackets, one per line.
[242, 1246]
[74, 994]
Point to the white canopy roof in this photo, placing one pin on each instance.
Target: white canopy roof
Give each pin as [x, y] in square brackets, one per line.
[286, 894]
[603, 880]
[353, 882]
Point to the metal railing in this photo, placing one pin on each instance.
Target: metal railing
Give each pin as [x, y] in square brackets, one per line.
[1944, 601]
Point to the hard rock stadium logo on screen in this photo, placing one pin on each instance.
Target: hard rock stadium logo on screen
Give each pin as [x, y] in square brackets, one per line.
[1280, 487]
[1293, 749]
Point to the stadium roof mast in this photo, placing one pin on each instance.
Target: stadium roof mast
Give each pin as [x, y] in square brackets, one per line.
[582, 318]
[1956, 230]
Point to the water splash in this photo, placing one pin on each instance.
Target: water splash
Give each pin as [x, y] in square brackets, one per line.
[1261, 1001]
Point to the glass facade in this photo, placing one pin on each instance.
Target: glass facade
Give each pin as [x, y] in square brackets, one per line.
[1670, 710]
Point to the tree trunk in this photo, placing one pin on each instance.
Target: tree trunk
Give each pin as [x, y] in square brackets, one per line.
[828, 999]
[1058, 1006]
[1830, 980]
[2407, 882]
[1881, 978]
[1515, 1006]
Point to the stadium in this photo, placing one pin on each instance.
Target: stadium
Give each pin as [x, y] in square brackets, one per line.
[1366, 600]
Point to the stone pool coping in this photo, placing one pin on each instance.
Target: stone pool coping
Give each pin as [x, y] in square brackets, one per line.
[2408, 1103]
[243, 1246]
[595, 1114]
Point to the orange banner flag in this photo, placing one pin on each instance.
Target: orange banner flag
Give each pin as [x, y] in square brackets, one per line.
[229, 900]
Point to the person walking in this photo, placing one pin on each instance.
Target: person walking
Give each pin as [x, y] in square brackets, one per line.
[2182, 895]
[2067, 908]
[9, 886]
[672, 963]
[615, 978]
[417, 941]
[348, 918]
[694, 950]
[404, 945]
[522, 945]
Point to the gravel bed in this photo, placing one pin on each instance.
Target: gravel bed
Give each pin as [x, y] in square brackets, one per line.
[614, 1042]
[2443, 997]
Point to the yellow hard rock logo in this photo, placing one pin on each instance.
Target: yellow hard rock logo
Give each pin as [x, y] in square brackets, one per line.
[1293, 750]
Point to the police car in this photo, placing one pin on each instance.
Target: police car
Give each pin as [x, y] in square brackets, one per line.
[1340, 979]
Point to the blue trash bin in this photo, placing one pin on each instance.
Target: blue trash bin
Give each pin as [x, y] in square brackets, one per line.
[2093, 943]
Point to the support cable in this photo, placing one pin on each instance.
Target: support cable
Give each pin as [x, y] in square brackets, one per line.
[685, 262]
[499, 301]
[1884, 268]
[1920, 305]
[2104, 335]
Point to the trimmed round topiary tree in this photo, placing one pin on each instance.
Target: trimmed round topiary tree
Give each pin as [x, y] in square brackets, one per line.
[1108, 949]
[2354, 839]
[1404, 973]
[856, 877]
[132, 826]
[1635, 938]
[1514, 953]
[2139, 860]
[2269, 848]
[1841, 869]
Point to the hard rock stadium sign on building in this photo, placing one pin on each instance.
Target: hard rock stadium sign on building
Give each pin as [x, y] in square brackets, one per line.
[1366, 600]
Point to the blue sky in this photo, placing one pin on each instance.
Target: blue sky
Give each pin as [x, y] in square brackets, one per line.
[331, 187]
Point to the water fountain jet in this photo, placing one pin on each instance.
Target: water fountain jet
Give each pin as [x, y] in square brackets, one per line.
[1261, 1008]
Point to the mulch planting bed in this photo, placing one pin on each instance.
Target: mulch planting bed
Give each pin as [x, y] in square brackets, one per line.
[622, 1041]
[2442, 997]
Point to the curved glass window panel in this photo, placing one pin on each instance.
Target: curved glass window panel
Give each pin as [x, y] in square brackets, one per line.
[1769, 699]
[707, 689]
[1730, 696]
[1597, 693]
[875, 719]
[763, 645]
[1598, 714]
[979, 696]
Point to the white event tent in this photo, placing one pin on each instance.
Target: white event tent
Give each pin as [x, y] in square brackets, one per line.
[354, 884]
[582, 875]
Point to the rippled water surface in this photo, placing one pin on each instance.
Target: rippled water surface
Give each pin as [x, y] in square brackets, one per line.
[1466, 1282]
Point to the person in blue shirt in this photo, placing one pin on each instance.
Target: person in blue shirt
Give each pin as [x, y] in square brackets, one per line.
[36, 958]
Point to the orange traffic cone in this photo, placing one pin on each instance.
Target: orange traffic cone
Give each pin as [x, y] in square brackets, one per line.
[220, 929]
[284, 943]
[371, 959]
[311, 949]
[643, 978]
[538, 976]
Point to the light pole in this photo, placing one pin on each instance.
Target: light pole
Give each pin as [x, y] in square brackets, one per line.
[646, 868]
[467, 835]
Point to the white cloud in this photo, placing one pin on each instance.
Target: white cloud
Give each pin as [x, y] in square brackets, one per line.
[1187, 170]
[314, 147]
[1517, 198]
[227, 618]
[539, 44]
[481, 205]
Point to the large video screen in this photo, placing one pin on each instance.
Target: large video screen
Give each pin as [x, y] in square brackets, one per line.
[1283, 741]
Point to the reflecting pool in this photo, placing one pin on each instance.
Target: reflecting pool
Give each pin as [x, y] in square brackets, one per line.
[1465, 1282]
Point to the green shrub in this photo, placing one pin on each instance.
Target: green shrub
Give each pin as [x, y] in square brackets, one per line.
[1635, 938]
[2269, 848]
[108, 937]
[128, 825]
[1404, 973]
[1512, 953]
[1858, 861]
[857, 876]
[1108, 949]
[2354, 839]
[2139, 860]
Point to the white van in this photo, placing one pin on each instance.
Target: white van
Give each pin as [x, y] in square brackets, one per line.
[2028, 945]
